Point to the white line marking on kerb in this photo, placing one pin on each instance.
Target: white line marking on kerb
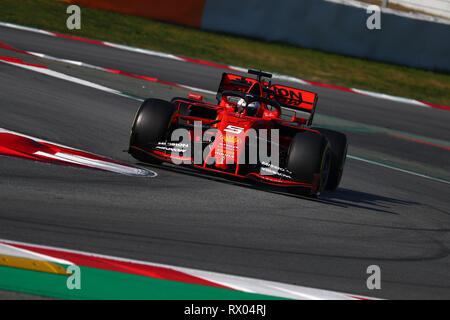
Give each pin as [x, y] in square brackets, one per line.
[112, 166]
[389, 97]
[251, 285]
[9, 250]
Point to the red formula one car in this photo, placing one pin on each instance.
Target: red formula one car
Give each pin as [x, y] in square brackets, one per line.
[257, 130]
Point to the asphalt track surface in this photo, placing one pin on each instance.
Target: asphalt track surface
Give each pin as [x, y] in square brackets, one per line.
[379, 216]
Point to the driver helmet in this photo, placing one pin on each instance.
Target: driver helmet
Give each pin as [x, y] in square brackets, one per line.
[251, 109]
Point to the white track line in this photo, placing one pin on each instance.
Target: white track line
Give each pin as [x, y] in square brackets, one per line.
[59, 75]
[398, 169]
[82, 64]
[63, 76]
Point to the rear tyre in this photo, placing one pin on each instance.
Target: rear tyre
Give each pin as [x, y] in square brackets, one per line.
[308, 156]
[150, 126]
[338, 144]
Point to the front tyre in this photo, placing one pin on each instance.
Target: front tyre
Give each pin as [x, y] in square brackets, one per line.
[309, 160]
[150, 126]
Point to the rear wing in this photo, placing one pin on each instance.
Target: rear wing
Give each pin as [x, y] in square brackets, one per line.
[294, 99]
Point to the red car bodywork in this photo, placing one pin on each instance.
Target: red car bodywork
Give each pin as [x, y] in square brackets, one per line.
[231, 128]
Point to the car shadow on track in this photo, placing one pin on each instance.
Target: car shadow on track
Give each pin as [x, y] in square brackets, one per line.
[343, 198]
[353, 198]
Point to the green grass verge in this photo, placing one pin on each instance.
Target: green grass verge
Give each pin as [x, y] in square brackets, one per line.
[105, 284]
[303, 63]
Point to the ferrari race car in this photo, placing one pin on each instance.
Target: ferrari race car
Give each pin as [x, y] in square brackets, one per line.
[257, 130]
